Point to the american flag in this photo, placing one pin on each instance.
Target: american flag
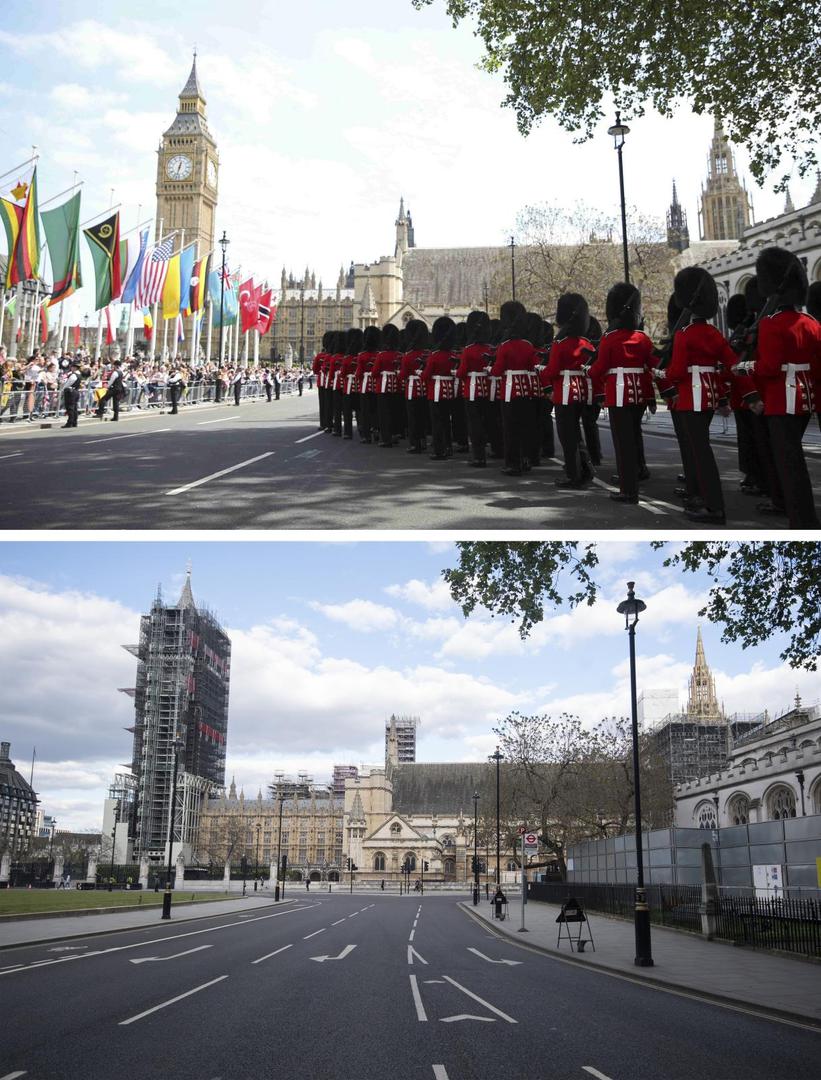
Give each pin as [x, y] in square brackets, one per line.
[154, 270]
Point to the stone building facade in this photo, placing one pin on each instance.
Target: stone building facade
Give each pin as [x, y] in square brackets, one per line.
[18, 806]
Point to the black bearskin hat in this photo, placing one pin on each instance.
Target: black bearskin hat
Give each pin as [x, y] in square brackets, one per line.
[753, 297]
[594, 330]
[673, 312]
[534, 329]
[548, 332]
[695, 290]
[390, 336]
[510, 311]
[353, 342]
[416, 334]
[623, 306]
[782, 273]
[460, 338]
[477, 325]
[572, 314]
[327, 340]
[814, 300]
[495, 331]
[372, 336]
[736, 310]
[443, 332]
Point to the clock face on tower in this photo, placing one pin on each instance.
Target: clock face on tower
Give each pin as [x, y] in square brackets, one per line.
[179, 167]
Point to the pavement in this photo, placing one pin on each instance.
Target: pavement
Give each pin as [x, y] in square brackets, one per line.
[775, 985]
[267, 466]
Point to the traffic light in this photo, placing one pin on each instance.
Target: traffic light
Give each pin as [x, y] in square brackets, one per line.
[243, 864]
[348, 863]
[474, 865]
[425, 864]
[354, 867]
[284, 863]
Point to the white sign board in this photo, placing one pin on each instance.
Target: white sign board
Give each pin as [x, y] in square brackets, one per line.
[531, 842]
[768, 881]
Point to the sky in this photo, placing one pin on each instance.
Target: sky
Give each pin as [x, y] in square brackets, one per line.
[329, 639]
[325, 114]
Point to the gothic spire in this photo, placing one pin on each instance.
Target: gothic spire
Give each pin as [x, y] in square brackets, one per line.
[788, 204]
[702, 703]
[192, 87]
[816, 198]
[186, 596]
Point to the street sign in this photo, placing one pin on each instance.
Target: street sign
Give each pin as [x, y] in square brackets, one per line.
[522, 830]
[531, 841]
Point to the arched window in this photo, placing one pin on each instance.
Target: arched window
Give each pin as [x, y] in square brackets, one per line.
[409, 862]
[448, 841]
[738, 810]
[815, 797]
[396, 829]
[706, 816]
[512, 865]
[379, 861]
[781, 803]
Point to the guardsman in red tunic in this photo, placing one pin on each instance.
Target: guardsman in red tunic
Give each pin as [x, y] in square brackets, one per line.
[494, 406]
[625, 355]
[695, 381]
[787, 364]
[325, 376]
[570, 352]
[742, 393]
[544, 410]
[366, 419]
[458, 413]
[591, 409]
[814, 309]
[438, 380]
[413, 388]
[386, 386]
[316, 368]
[514, 365]
[472, 373]
[335, 382]
[347, 380]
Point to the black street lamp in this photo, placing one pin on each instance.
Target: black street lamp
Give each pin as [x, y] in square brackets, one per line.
[111, 868]
[475, 848]
[512, 270]
[256, 864]
[51, 841]
[302, 323]
[223, 243]
[799, 775]
[618, 131]
[279, 851]
[631, 608]
[166, 900]
[497, 757]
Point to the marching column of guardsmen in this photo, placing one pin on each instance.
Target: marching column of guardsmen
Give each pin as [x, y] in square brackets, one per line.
[492, 389]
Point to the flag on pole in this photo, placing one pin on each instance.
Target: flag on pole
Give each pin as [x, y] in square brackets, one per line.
[75, 330]
[248, 305]
[171, 289]
[104, 242]
[62, 228]
[152, 273]
[12, 215]
[135, 265]
[148, 324]
[44, 327]
[180, 328]
[199, 283]
[110, 337]
[187, 256]
[24, 256]
[228, 300]
[264, 309]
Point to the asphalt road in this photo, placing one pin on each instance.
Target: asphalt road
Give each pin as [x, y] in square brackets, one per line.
[360, 988]
[266, 466]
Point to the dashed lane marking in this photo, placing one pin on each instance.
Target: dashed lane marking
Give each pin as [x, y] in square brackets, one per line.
[270, 954]
[338, 921]
[306, 437]
[217, 475]
[412, 935]
[171, 1001]
[17, 453]
[133, 435]
[20, 1072]
[595, 1072]
[440, 1072]
[412, 952]
[221, 420]
[322, 931]
[421, 1015]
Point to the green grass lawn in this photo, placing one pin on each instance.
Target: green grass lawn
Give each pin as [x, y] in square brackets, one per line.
[20, 901]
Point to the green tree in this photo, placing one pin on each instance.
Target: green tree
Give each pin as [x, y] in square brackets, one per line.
[753, 63]
[759, 587]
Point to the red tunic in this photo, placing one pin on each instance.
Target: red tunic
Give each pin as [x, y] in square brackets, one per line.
[438, 376]
[334, 369]
[563, 372]
[515, 361]
[316, 368]
[410, 374]
[618, 370]
[472, 372]
[788, 362]
[386, 372]
[701, 355]
[364, 369]
[347, 375]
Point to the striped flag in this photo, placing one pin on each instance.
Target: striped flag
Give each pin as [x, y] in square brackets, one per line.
[152, 275]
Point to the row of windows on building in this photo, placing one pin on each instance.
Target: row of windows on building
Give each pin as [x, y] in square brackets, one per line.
[781, 802]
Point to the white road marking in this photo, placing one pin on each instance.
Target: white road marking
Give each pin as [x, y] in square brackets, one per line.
[442, 981]
[21, 1072]
[354, 915]
[222, 420]
[412, 935]
[440, 1072]
[595, 1072]
[270, 954]
[17, 453]
[171, 1001]
[68, 948]
[511, 963]
[412, 952]
[481, 1001]
[217, 475]
[338, 921]
[642, 502]
[150, 959]
[309, 437]
[134, 435]
[417, 1000]
[12, 967]
[322, 931]
[342, 955]
[468, 1016]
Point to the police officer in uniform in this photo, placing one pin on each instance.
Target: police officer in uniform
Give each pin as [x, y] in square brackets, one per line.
[114, 392]
[71, 392]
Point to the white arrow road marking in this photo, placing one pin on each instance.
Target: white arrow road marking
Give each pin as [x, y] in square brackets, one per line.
[270, 954]
[14, 1075]
[171, 1001]
[176, 956]
[512, 963]
[440, 1072]
[217, 475]
[595, 1072]
[342, 955]
[481, 1001]
[412, 952]
[468, 1016]
[417, 1000]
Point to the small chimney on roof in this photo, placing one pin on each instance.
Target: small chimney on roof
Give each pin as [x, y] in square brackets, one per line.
[4, 751]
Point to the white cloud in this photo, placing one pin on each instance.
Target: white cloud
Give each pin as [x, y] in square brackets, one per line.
[362, 615]
[431, 595]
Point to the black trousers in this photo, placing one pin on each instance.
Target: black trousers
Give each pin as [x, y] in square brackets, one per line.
[114, 397]
[495, 435]
[688, 465]
[592, 440]
[384, 415]
[568, 427]
[786, 433]
[277, 390]
[237, 392]
[477, 428]
[349, 402]
[417, 413]
[771, 481]
[695, 428]
[268, 391]
[325, 408]
[337, 414]
[516, 417]
[218, 390]
[71, 401]
[174, 395]
[748, 463]
[440, 426]
[459, 422]
[545, 427]
[625, 427]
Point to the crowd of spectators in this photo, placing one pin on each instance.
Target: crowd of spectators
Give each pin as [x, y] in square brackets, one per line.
[31, 388]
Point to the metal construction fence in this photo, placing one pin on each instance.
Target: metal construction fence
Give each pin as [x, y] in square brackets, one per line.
[44, 402]
[790, 924]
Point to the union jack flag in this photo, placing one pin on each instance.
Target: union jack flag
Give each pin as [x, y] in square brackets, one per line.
[153, 273]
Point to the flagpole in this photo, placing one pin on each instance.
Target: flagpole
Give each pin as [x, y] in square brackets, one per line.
[154, 316]
[98, 348]
[88, 221]
[62, 302]
[34, 157]
[35, 317]
[2, 311]
[15, 322]
[175, 346]
[210, 331]
[193, 347]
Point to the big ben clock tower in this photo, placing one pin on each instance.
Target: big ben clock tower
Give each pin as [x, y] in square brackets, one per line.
[187, 171]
